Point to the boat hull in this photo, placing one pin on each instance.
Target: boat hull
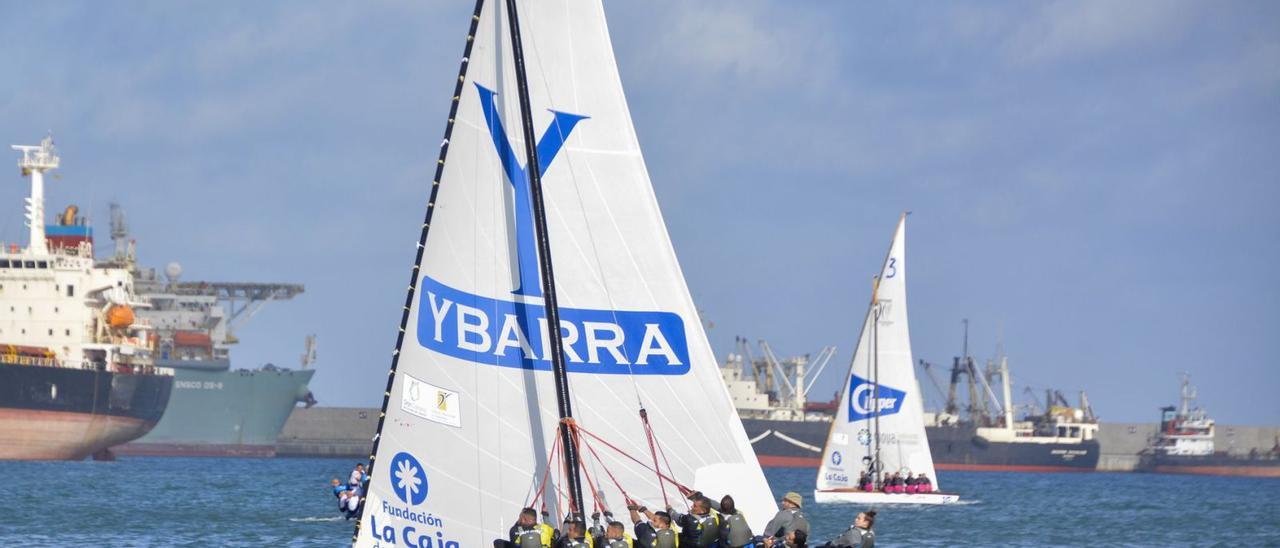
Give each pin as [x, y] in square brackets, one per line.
[58, 413]
[787, 444]
[224, 413]
[875, 498]
[1213, 465]
[960, 448]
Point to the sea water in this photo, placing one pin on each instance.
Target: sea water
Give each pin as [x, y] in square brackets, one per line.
[287, 502]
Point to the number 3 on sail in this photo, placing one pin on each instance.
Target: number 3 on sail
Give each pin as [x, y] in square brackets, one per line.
[621, 402]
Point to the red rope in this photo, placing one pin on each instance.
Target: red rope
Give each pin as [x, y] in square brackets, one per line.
[626, 497]
[546, 474]
[661, 476]
[684, 491]
[648, 432]
[582, 466]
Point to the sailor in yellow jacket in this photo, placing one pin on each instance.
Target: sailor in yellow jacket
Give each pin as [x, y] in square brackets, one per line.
[528, 533]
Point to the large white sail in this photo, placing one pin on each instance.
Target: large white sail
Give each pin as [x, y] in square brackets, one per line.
[470, 414]
[896, 417]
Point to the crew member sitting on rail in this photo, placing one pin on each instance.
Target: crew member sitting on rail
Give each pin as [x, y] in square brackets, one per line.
[858, 535]
[357, 476]
[864, 481]
[789, 518]
[655, 533]
[528, 533]
[909, 484]
[923, 484]
[700, 527]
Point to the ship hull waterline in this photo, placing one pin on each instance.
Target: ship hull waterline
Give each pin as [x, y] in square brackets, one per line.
[223, 413]
[58, 413]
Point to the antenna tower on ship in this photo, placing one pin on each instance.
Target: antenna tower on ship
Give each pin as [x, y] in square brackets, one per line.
[35, 161]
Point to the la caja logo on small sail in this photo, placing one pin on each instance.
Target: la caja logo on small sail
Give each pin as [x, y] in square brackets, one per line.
[513, 331]
[408, 479]
[863, 401]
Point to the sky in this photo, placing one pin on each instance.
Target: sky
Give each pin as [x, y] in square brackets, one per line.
[1096, 181]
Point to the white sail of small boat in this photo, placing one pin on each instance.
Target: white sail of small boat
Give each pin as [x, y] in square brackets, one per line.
[879, 425]
[471, 428]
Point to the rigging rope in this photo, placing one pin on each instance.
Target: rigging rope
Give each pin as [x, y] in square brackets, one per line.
[648, 432]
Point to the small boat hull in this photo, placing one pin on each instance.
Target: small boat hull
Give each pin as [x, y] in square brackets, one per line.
[876, 498]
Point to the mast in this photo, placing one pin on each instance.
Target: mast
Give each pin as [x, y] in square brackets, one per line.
[875, 381]
[35, 161]
[544, 266]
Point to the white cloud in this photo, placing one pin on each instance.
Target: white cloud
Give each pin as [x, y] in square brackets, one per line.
[1065, 30]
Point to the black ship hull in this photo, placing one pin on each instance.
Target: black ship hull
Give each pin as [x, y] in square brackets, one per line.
[1261, 466]
[960, 448]
[799, 445]
[63, 413]
[790, 444]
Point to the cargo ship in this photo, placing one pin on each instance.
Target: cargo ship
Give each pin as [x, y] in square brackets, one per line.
[1185, 445]
[1056, 438]
[215, 410]
[771, 395]
[77, 373]
[787, 430]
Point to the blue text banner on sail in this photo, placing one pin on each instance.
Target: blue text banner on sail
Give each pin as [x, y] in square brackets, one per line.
[511, 334]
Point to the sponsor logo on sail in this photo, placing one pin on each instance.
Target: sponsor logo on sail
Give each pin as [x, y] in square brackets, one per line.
[866, 401]
[408, 479]
[515, 332]
[426, 400]
[836, 458]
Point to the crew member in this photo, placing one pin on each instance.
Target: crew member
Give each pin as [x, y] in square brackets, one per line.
[357, 476]
[656, 532]
[858, 535]
[700, 527]
[528, 533]
[924, 484]
[734, 530]
[575, 536]
[789, 517]
[615, 536]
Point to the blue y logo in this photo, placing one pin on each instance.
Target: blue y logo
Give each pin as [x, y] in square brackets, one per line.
[518, 176]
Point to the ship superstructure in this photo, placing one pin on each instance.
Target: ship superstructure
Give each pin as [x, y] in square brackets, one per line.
[77, 373]
[1185, 445]
[772, 398]
[985, 432]
[215, 410]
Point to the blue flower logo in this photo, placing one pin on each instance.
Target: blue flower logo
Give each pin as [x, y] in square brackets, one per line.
[836, 458]
[408, 479]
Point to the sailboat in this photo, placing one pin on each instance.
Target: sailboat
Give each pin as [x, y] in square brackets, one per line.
[879, 425]
[487, 410]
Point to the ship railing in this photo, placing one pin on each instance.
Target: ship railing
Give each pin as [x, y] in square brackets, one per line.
[30, 360]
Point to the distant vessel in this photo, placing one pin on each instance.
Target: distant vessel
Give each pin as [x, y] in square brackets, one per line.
[215, 410]
[1059, 438]
[1184, 445]
[76, 368]
[771, 396]
[878, 429]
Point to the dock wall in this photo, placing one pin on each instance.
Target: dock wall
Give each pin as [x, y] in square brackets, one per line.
[349, 431]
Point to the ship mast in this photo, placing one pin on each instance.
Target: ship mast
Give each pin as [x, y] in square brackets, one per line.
[35, 161]
[548, 279]
[875, 379]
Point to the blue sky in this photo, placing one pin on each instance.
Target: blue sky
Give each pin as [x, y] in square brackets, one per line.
[1098, 178]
